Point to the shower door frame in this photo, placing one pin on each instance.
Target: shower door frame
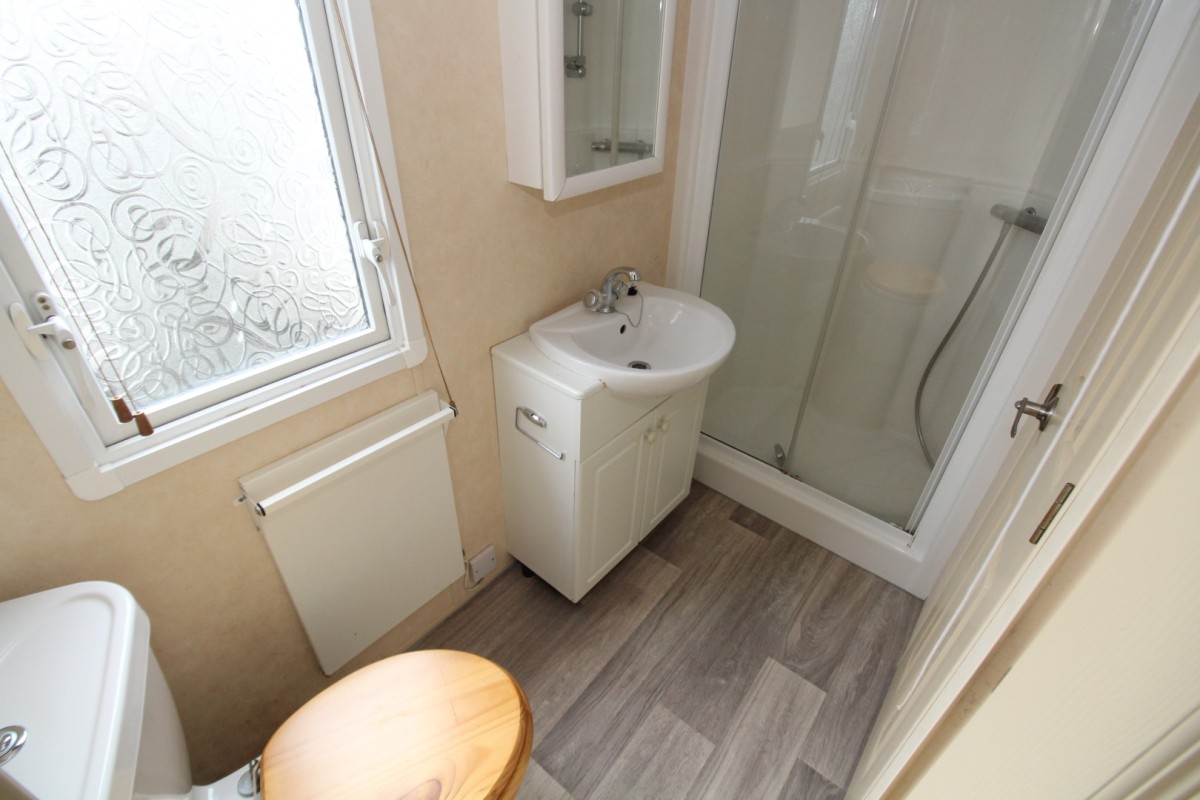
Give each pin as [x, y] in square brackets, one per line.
[1128, 152]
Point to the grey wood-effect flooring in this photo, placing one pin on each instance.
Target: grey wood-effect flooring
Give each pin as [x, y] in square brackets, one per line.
[726, 657]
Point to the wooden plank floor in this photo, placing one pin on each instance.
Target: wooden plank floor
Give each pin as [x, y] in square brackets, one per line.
[725, 657]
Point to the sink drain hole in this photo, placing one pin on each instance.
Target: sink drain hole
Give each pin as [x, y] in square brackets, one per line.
[639, 365]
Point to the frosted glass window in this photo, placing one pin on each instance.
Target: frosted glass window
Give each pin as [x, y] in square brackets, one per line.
[168, 164]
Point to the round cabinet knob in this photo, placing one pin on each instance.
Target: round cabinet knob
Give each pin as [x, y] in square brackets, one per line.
[651, 437]
[664, 426]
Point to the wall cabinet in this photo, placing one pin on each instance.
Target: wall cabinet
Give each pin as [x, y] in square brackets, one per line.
[586, 473]
[576, 123]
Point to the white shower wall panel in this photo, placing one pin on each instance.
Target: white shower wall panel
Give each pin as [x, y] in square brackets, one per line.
[981, 84]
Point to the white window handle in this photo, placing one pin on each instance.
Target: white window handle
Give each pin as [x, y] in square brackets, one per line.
[374, 249]
[33, 335]
[54, 328]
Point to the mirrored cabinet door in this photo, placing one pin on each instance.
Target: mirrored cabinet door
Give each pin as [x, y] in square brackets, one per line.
[586, 86]
[610, 82]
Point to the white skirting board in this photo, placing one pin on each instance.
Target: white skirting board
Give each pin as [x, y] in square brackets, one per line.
[362, 525]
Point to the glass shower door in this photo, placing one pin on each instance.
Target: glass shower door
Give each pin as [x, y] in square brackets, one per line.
[791, 164]
[861, 235]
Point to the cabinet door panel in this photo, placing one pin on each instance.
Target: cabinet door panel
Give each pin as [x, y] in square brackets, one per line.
[677, 423]
[610, 498]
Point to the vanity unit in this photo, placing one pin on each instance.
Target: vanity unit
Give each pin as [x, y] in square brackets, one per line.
[587, 473]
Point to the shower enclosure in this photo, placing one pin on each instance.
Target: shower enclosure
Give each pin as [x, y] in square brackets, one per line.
[885, 176]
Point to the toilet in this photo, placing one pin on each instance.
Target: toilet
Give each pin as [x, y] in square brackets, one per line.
[85, 712]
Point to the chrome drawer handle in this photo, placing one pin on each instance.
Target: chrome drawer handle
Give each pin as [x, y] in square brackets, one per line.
[12, 739]
[540, 421]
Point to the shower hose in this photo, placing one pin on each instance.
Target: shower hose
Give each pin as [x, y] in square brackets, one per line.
[987, 266]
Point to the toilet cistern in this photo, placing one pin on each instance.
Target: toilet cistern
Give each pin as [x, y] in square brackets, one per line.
[604, 300]
[78, 675]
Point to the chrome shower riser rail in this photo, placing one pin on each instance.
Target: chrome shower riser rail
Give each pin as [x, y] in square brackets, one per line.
[1026, 219]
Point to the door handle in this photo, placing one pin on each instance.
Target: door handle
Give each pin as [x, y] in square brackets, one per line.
[1041, 411]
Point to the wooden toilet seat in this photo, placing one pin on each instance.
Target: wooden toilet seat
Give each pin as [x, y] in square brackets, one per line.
[426, 725]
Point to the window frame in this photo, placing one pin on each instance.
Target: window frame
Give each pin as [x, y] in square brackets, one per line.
[94, 470]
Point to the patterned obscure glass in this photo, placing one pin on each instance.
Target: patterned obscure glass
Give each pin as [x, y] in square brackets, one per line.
[169, 163]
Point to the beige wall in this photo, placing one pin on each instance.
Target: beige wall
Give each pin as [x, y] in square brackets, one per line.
[490, 258]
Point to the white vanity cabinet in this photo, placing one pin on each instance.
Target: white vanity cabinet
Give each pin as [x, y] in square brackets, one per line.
[586, 473]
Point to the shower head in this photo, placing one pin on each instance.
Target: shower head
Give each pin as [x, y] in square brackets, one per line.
[1026, 218]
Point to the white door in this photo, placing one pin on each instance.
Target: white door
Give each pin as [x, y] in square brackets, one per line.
[1133, 347]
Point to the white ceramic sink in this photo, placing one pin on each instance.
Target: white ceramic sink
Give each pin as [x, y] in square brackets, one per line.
[655, 344]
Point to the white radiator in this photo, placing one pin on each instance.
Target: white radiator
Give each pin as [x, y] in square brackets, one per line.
[362, 525]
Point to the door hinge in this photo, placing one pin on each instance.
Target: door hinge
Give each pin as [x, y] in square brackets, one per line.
[1055, 507]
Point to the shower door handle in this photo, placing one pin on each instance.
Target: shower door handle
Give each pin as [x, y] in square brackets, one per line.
[1041, 411]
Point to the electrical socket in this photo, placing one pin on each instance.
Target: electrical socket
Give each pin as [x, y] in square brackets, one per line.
[481, 564]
